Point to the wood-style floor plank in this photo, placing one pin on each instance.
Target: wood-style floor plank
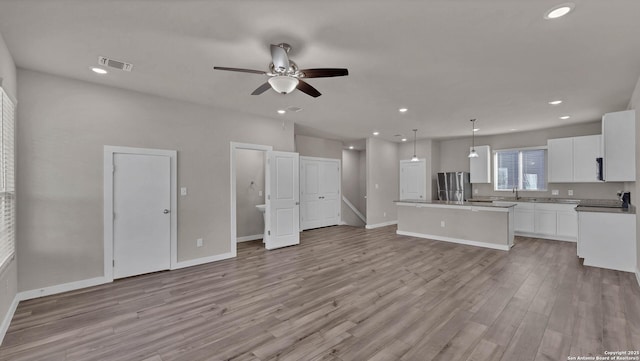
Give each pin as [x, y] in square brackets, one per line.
[344, 294]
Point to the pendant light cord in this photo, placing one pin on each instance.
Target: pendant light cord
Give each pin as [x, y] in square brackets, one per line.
[415, 131]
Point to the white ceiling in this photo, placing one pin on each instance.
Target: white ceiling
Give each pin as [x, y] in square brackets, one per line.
[446, 60]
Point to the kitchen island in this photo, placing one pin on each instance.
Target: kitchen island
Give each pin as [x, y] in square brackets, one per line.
[480, 224]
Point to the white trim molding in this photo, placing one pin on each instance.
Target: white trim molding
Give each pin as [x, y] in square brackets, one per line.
[203, 260]
[638, 276]
[109, 152]
[65, 287]
[250, 238]
[501, 247]
[378, 225]
[4, 326]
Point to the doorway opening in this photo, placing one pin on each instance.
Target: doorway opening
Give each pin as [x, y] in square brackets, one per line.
[244, 158]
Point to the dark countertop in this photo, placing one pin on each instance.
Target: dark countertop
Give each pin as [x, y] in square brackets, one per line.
[453, 203]
[618, 210]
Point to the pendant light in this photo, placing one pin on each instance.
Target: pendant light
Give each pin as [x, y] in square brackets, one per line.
[414, 158]
[473, 153]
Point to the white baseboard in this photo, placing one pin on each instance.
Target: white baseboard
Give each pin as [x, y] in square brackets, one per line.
[249, 238]
[502, 247]
[378, 225]
[65, 287]
[4, 326]
[199, 261]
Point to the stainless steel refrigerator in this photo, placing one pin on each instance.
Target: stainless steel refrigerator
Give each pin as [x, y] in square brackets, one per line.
[454, 186]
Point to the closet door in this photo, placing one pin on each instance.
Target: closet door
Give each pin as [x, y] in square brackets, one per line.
[319, 192]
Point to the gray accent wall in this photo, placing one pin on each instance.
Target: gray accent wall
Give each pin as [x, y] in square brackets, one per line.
[454, 157]
[63, 125]
[318, 147]
[383, 171]
[249, 184]
[351, 186]
[8, 274]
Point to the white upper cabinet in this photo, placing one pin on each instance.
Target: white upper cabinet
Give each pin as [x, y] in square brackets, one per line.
[480, 167]
[585, 151]
[560, 153]
[619, 146]
[573, 160]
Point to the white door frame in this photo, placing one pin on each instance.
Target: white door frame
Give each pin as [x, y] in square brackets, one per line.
[233, 147]
[109, 151]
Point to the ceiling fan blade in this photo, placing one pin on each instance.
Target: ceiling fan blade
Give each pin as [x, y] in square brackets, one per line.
[279, 57]
[324, 72]
[261, 89]
[307, 89]
[240, 70]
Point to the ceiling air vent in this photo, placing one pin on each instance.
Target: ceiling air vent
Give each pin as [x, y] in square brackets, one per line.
[293, 109]
[116, 64]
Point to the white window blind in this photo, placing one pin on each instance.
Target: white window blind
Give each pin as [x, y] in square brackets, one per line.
[7, 180]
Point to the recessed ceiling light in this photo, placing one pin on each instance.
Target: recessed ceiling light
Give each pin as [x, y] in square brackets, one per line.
[281, 111]
[565, 117]
[351, 147]
[404, 139]
[555, 102]
[513, 129]
[403, 110]
[376, 133]
[559, 11]
[476, 129]
[98, 70]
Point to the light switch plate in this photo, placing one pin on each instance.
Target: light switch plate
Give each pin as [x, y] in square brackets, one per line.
[183, 191]
[570, 192]
[199, 242]
[555, 192]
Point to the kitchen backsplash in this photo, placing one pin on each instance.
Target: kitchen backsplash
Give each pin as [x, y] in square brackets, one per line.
[580, 191]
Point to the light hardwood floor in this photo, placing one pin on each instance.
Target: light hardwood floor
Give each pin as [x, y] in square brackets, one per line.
[345, 294]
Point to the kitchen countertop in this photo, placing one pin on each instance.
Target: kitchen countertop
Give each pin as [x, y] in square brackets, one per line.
[454, 203]
[630, 210]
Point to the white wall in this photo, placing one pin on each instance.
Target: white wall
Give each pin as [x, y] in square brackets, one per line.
[8, 274]
[454, 157]
[62, 127]
[383, 170]
[249, 184]
[635, 104]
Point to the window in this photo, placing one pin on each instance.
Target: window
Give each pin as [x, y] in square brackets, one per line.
[523, 169]
[7, 183]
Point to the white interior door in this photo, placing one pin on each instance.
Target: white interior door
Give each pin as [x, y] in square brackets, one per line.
[311, 206]
[141, 206]
[413, 183]
[330, 189]
[283, 199]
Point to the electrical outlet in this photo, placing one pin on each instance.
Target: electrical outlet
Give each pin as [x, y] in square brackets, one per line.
[442, 224]
[555, 192]
[570, 192]
[199, 242]
[384, 214]
[475, 191]
[183, 191]
[376, 185]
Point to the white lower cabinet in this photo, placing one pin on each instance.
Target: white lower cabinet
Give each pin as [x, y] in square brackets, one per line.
[546, 220]
[608, 240]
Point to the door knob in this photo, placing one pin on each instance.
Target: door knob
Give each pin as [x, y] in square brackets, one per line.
[166, 211]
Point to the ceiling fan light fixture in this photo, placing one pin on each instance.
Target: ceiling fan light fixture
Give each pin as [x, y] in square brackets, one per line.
[283, 84]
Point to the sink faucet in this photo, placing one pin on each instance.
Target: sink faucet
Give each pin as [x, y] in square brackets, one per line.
[515, 190]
